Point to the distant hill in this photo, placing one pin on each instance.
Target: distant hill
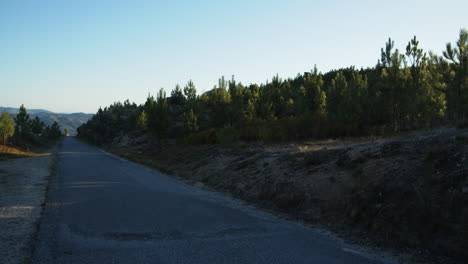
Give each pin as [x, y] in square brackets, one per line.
[13, 110]
[69, 121]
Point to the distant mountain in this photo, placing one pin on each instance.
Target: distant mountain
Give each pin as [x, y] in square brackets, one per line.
[69, 121]
[13, 110]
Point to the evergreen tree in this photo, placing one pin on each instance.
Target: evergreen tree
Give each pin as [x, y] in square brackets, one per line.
[177, 96]
[315, 97]
[416, 88]
[54, 132]
[337, 107]
[218, 101]
[37, 125]
[23, 122]
[142, 120]
[403, 91]
[190, 91]
[395, 98]
[458, 89]
[249, 113]
[158, 115]
[356, 98]
[190, 122]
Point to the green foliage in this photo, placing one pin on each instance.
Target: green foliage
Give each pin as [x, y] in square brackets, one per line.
[315, 97]
[177, 96]
[142, 120]
[217, 102]
[7, 126]
[457, 93]
[23, 122]
[228, 135]
[158, 115]
[37, 126]
[209, 136]
[190, 122]
[54, 132]
[404, 91]
[190, 92]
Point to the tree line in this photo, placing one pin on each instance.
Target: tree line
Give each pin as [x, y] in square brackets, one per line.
[406, 90]
[22, 127]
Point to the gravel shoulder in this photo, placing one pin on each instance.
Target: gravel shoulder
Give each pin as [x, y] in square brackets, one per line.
[23, 187]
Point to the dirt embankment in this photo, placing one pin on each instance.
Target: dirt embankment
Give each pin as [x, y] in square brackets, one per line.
[408, 193]
[23, 184]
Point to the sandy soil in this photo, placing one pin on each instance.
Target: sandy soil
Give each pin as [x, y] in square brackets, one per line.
[23, 185]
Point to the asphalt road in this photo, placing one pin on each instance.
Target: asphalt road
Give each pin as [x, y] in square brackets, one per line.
[102, 209]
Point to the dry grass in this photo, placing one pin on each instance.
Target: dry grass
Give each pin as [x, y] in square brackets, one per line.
[7, 152]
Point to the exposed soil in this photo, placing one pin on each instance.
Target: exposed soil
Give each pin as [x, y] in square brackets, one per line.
[407, 193]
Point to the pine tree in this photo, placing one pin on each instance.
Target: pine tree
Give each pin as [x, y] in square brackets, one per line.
[37, 125]
[54, 132]
[218, 101]
[190, 122]
[190, 91]
[23, 122]
[395, 98]
[158, 115]
[458, 89]
[316, 99]
[177, 96]
[416, 87]
[249, 113]
[356, 99]
[337, 106]
[142, 120]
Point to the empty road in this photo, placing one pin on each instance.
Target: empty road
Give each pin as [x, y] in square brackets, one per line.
[102, 209]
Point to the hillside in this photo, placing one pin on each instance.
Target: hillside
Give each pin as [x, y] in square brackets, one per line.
[69, 121]
[407, 193]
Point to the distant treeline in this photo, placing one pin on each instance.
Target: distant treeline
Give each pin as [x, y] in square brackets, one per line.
[23, 129]
[406, 90]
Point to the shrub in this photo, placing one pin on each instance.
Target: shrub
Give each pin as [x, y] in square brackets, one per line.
[228, 135]
[209, 136]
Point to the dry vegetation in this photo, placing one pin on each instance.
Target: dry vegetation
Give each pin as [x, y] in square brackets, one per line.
[405, 192]
[7, 152]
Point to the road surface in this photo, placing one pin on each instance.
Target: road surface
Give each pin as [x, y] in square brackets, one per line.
[102, 209]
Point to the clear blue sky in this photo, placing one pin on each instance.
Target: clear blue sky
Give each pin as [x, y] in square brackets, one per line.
[70, 56]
